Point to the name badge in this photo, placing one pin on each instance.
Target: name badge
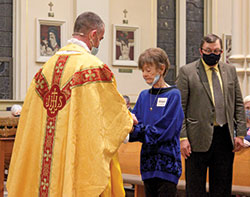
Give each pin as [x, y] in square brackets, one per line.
[161, 102]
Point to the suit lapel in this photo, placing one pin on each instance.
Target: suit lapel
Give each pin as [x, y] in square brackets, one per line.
[203, 77]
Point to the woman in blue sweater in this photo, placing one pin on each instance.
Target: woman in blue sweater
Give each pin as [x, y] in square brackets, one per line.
[159, 113]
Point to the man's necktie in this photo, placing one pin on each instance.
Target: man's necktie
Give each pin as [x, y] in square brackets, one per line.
[218, 99]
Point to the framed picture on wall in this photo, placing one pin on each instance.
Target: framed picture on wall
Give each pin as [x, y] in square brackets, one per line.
[126, 43]
[50, 38]
[227, 47]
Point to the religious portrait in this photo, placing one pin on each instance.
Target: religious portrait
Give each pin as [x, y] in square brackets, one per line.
[49, 38]
[227, 47]
[125, 45]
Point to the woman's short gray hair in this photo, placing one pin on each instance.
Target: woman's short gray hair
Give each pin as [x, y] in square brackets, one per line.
[155, 56]
[247, 99]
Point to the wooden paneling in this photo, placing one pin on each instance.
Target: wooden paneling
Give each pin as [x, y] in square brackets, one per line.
[242, 168]
[6, 145]
[139, 191]
[129, 157]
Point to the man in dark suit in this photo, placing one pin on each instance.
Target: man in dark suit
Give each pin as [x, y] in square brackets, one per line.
[214, 123]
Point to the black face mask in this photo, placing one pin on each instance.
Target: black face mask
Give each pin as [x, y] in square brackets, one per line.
[211, 59]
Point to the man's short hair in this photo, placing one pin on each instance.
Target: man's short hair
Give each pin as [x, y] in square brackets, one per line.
[87, 22]
[156, 56]
[210, 38]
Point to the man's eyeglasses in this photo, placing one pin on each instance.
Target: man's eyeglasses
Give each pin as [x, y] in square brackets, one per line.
[209, 51]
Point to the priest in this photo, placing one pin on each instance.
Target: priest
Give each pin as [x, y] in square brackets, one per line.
[72, 123]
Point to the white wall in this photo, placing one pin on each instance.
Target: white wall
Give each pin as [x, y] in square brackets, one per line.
[100, 7]
[111, 11]
[25, 41]
[141, 13]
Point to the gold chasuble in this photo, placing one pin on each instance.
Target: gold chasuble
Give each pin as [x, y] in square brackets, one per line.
[72, 123]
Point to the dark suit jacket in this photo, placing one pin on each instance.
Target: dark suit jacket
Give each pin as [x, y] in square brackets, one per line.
[198, 106]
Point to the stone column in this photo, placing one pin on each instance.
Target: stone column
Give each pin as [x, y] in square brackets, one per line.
[180, 33]
[248, 46]
[237, 57]
[240, 41]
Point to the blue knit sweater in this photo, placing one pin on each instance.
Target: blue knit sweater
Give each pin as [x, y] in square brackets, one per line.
[159, 131]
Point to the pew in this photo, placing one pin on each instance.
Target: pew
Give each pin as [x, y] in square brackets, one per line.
[129, 157]
[8, 127]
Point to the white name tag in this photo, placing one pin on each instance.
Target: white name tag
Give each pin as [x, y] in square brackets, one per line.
[161, 102]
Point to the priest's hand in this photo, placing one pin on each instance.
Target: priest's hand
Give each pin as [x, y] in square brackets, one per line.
[135, 119]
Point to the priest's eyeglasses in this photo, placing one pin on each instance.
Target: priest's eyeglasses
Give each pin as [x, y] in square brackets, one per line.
[209, 51]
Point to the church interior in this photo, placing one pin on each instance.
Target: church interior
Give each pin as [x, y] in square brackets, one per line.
[176, 26]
